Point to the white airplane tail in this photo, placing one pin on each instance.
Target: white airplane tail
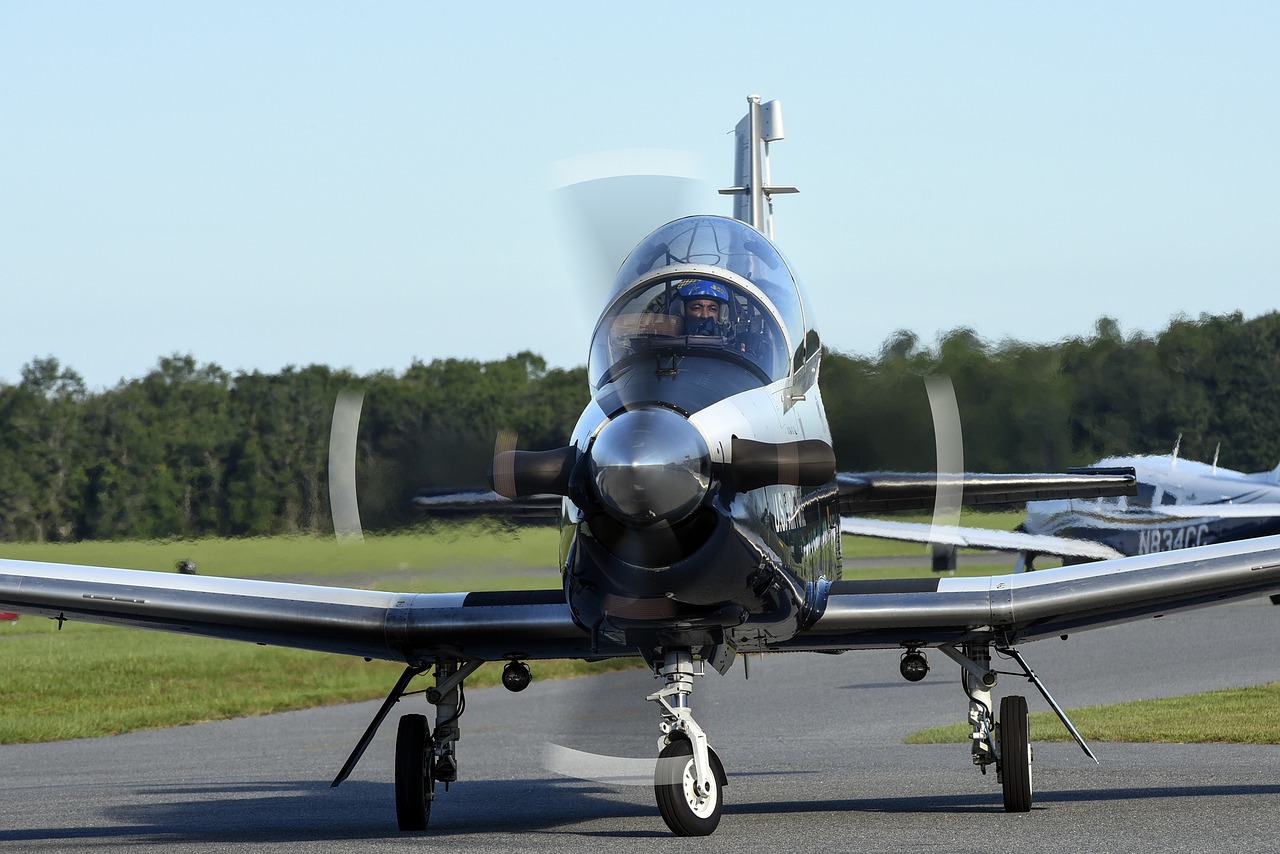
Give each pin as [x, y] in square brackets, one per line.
[753, 188]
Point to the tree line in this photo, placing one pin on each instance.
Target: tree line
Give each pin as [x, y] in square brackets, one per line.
[191, 450]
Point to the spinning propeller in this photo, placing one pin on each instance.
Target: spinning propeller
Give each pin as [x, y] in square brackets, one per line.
[343, 435]
[648, 470]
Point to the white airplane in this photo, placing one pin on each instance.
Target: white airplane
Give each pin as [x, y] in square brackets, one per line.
[1179, 504]
[700, 519]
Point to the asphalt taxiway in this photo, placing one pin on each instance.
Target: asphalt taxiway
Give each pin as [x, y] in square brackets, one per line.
[812, 744]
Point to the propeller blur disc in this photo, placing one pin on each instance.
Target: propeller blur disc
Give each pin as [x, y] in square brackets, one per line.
[342, 466]
[949, 444]
[597, 767]
[608, 201]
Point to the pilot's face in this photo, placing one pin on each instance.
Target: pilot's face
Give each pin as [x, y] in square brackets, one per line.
[702, 309]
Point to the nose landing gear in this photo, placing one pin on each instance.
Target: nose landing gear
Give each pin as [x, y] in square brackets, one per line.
[689, 777]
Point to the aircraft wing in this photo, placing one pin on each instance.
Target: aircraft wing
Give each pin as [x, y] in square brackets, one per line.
[486, 502]
[977, 538]
[405, 627]
[1046, 603]
[421, 628]
[1220, 511]
[874, 492]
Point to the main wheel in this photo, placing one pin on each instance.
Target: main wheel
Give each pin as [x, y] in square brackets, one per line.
[683, 808]
[1015, 754]
[415, 786]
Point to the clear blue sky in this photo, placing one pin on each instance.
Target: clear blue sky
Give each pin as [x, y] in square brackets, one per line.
[362, 185]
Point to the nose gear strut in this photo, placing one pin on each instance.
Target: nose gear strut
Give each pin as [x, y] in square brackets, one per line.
[689, 777]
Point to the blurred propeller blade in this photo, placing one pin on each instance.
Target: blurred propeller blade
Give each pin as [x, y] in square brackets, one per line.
[600, 730]
[808, 462]
[609, 770]
[343, 435]
[502, 474]
[608, 201]
[523, 474]
[949, 445]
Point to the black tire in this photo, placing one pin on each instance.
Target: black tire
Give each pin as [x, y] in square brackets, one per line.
[1015, 754]
[673, 786]
[415, 787]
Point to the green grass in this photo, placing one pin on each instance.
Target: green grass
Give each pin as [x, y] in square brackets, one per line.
[1233, 716]
[86, 680]
[475, 555]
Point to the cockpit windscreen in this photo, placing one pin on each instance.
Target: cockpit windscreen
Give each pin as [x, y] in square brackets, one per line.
[685, 315]
[761, 307]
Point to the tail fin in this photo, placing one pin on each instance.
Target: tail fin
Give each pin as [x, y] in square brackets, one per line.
[753, 188]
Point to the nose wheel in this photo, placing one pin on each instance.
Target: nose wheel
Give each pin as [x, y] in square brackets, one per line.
[686, 808]
[689, 780]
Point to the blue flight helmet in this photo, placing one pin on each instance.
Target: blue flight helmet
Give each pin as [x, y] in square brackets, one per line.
[701, 289]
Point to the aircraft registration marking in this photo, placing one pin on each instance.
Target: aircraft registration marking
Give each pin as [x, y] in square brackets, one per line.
[1169, 539]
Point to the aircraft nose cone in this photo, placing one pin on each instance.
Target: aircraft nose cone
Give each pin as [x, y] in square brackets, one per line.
[650, 465]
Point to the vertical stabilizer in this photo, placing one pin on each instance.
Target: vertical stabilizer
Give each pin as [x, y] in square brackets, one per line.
[752, 186]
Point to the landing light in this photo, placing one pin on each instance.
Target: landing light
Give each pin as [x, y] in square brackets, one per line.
[516, 676]
[913, 666]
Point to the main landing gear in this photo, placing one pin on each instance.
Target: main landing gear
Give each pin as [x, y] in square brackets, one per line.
[1004, 741]
[689, 779]
[423, 757]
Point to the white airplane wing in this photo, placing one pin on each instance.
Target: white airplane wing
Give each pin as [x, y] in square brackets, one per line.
[485, 502]
[977, 538]
[1220, 511]
[424, 627]
[1046, 603]
[406, 627]
[875, 492]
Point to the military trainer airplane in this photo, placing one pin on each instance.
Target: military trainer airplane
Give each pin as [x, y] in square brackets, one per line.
[700, 519]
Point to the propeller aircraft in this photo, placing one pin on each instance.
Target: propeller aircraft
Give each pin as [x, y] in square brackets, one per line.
[699, 511]
[1179, 504]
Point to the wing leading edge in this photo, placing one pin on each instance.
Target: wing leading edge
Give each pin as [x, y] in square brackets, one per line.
[1029, 606]
[977, 538]
[416, 628]
[875, 492]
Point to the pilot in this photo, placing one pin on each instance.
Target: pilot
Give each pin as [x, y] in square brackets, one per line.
[705, 306]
